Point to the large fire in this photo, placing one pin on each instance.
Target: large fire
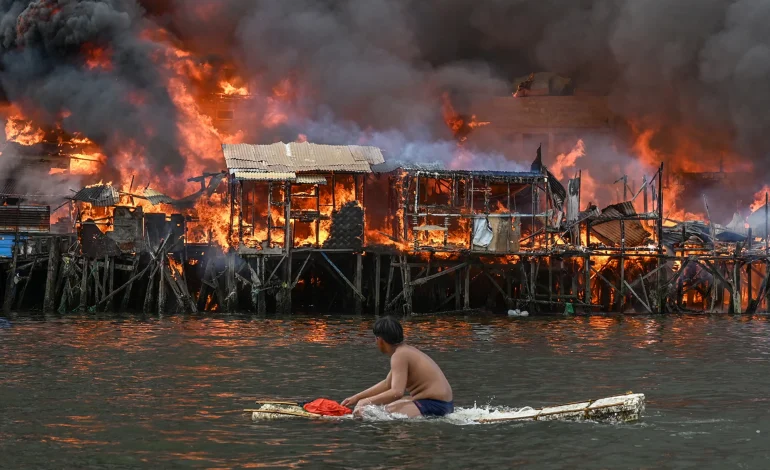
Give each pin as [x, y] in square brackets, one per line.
[459, 124]
[22, 131]
[190, 80]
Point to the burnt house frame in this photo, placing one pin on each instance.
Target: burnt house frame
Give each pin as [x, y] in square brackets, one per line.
[284, 194]
[426, 199]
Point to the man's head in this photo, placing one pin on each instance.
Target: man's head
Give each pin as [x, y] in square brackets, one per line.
[389, 333]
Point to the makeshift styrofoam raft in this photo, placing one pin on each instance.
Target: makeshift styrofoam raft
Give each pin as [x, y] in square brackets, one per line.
[615, 409]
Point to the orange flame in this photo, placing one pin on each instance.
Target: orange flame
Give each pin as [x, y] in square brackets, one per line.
[22, 131]
[759, 198]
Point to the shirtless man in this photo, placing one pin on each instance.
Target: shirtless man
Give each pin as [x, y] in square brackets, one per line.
[410, 370]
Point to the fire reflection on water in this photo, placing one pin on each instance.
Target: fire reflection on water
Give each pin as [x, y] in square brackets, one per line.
[100, 386]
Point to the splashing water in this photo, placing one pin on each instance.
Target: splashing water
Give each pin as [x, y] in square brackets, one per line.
[461, 416]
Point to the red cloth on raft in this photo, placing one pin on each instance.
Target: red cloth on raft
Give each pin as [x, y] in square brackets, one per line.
[325, 407]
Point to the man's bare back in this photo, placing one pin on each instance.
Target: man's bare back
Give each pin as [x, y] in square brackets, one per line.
[411, 370]
[424, 377]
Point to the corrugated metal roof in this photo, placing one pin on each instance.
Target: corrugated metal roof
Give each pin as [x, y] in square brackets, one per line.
[156, 197]
[29, 219]
[264, 176]
[607, 226]
[371, 155]
[101, 195]
[438, 168]
[300, 156]
[310, 179]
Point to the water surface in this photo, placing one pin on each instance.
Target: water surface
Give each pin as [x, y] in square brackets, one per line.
[128, 392]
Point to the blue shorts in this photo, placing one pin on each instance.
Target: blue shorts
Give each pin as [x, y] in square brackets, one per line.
[430, 407]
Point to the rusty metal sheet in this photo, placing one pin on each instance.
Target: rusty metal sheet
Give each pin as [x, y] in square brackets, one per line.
[128, 228]
[607, 225]
[371, 155]
[310, 179]
[28, 219]
[300, 156]
[265, 158]
[310, 157]
[99, 195]
[264, 176]
[156, 197]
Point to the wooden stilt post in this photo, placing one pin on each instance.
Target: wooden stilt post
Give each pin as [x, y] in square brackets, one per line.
[231, 287]
[261, 304]
[391, 271]
[111, 284]
[51, 276]
[149, 296]
[467, 288]
[458, 290]
[377, 286]
[28, 277]
[358, 281]
[255, 284]
[749, 286]
[532, 279]
[622, 290]
[10, 284]
[736, 291]
[162, 285]
[206, 279]
[661, 295]
[84, 286]
[406, 276]
[127, 295]
[105, 275]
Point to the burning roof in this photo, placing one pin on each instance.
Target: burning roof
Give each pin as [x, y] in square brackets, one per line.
[281, 161]
[100, 195]
[606, 226]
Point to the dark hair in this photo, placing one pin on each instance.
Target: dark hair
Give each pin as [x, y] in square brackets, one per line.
[389, 329]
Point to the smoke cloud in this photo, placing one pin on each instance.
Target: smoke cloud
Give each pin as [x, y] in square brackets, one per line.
[379, 67]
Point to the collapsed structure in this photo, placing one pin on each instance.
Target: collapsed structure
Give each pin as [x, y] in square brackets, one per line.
[342, 228]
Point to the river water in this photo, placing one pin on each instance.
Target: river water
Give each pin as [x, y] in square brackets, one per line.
[149, 392]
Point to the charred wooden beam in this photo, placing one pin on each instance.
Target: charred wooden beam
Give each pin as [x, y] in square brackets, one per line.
[51, 275]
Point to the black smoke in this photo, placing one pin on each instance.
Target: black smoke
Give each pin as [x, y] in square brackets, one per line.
[45, 72]
[695, 66]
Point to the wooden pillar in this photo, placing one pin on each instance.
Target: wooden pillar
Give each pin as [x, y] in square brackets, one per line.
[622, 290]
[111, 285]
[391, 271]
[283, 296]
[377, 274]
[84, 286]
[10, 285]
[162, 286]
[358, 281]
[261, 305]
[104, 278]
[406, 277]
[736, 296]
[150, 294]
[54, 253]
[661, 295]
[458, 290]
[127, 295]
[532, 275]
[203, 294]
[587, 294]
[467, 289]
[750, 288]
[231, 287]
